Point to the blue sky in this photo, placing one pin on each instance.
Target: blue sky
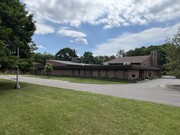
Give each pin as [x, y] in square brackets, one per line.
[102, 26]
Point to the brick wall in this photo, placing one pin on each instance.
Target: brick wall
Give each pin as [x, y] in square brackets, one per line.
[147, 62]
[120, 74]
[133, 74]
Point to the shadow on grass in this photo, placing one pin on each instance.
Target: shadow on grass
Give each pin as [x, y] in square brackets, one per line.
[6, 85]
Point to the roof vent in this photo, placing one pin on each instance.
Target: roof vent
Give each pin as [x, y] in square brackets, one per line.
[127, 63]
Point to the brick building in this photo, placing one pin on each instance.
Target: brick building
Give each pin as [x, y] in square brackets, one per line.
[137, 67]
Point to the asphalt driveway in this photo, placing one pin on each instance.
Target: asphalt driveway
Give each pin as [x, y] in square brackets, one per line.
[165, 91]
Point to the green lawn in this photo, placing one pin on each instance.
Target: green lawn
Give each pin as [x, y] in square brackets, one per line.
[38, 110]
[87, 80]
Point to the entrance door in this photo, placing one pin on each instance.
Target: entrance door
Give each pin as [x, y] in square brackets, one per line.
[141, 74]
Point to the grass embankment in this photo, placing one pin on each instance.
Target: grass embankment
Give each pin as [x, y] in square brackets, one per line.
[40, 110]
[86, 79]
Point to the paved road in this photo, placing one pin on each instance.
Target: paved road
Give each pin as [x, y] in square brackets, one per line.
[158, 91]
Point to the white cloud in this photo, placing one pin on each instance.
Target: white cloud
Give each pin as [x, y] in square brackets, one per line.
[132, 40]
[43, 29]
[78, 37]
[110, 13]
[81, 41]
[71, 33]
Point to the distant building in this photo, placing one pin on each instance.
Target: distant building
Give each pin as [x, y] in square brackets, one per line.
[131, 68]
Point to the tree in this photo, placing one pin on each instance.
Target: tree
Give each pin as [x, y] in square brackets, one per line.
[173, 55]
[16, 30]
[41, 58]
[48, 69]
[66, 54]
[87, 58]
[121, 53]
[102, 59]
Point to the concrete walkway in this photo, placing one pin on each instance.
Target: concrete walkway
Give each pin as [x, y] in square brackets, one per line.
[158, 91]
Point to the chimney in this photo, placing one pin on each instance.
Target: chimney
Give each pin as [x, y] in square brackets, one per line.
[154, 58]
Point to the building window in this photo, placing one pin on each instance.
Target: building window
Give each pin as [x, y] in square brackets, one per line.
[133, 75]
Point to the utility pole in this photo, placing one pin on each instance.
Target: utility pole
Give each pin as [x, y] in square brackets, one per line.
[17, 86]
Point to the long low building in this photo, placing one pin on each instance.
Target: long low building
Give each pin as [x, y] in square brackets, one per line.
[131, 68]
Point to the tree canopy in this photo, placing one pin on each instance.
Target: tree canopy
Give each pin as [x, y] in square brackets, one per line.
[87, 58]
[41, 58]
[66, 54]
[173, 55]
[16, 30]
[102, 59]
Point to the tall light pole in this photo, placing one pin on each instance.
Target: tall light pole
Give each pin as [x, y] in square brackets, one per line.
[17, 86]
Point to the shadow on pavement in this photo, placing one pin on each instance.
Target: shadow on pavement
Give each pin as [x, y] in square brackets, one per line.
[176, 87]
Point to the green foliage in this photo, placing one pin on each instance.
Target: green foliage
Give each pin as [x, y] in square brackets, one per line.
[87, 58]
[41, 58]
[7, 63]
[48, 69]
[90, 59]
[16, 30]
[173, 55]
[102, 59]
[66, 54]
[121, 53]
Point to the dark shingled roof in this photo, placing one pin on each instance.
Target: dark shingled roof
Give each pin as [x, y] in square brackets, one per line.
[133, 59]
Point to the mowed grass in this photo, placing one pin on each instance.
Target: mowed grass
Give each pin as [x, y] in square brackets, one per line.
[86, 79]
[39, 110]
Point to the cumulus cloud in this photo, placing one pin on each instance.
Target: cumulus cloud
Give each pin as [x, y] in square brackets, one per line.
[109, 13]
[81, 41]
[78, 37]
[129, 41]
[71, 33]
[43, 29]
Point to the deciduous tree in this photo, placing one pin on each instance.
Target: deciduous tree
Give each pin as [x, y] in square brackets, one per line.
[87, 58]
[66, 54]
[173, 55]
[48, 69]
[16, 30]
